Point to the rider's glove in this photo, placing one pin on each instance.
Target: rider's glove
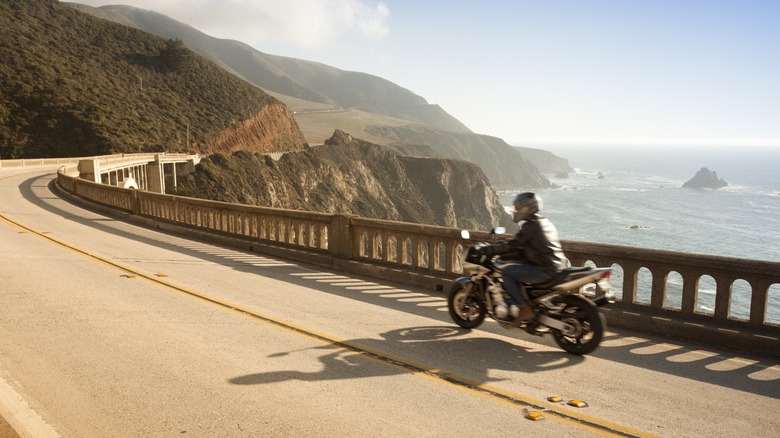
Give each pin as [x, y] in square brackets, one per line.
[486, 250]
[483, 250]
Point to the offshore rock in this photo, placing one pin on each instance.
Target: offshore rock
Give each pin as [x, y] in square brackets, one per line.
[705, 179]
[349, 175]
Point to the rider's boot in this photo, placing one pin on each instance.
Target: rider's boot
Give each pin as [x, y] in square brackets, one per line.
[503, 313]
[522, 313]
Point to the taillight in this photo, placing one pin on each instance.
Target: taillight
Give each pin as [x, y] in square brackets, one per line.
[604, 282]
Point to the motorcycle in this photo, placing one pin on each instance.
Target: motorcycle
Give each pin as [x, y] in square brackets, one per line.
[560, 306]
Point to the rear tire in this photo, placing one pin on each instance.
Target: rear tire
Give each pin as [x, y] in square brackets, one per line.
[466, 307]
[589, 325]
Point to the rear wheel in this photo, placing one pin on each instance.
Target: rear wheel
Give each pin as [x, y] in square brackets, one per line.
[466, 307]
[587, 325]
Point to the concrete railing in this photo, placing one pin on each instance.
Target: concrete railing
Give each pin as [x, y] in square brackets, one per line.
[108, 161]
[431, 256]
[35, 162]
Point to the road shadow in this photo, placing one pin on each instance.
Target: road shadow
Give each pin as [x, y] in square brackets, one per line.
[729, 369]
[416, 343]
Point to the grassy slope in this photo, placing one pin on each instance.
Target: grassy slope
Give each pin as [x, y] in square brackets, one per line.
[72, 84]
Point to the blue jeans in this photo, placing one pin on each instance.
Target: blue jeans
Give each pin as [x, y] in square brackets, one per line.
[516, 273]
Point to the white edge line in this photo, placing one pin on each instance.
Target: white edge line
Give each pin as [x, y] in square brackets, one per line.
[22, 418]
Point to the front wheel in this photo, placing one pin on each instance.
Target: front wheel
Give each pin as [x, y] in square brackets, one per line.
[587, 325]
[466, 307]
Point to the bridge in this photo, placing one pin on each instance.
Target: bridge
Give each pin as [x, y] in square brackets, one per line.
[129, 312]
[152, 172]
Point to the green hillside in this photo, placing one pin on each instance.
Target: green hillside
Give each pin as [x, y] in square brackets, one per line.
[72, 84]
[325, 98]
[301, 84]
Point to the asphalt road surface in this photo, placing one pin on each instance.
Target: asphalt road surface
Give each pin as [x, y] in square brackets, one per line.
[111, 330]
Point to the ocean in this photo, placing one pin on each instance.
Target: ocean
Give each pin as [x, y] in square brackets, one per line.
[633, 196]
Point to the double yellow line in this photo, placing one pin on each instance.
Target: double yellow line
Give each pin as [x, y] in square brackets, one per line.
[527, 404]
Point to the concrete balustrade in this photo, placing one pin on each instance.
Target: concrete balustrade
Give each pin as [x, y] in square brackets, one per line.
[431, 256]
[35, 162]
[299, 229]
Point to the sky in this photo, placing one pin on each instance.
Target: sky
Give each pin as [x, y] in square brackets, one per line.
[534, 72]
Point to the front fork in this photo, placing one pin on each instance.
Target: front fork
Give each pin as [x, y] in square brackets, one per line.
[469, 283]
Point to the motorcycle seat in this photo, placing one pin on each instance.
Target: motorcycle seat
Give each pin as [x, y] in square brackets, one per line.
[560, 276]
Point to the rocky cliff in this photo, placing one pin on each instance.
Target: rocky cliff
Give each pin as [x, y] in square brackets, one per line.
[348, 175]
[505, 165]
[272, 129]
[546, 161]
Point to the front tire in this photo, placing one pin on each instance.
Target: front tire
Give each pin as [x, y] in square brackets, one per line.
[466, 307]
[588, 325]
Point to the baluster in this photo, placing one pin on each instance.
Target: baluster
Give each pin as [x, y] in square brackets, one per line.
[658, 292]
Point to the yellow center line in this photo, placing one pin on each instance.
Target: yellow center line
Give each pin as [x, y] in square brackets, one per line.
[558, 413]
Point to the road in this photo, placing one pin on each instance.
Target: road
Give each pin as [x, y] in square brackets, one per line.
[111, 330]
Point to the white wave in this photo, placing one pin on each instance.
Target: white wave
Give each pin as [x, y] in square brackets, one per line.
[751, 190]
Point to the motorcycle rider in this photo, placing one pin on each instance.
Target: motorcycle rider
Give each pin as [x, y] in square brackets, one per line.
[534, 254]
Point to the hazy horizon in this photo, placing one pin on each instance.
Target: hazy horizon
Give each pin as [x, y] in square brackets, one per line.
[735, 164]
[688, 72]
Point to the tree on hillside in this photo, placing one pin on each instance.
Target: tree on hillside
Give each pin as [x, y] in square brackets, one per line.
[175, 56]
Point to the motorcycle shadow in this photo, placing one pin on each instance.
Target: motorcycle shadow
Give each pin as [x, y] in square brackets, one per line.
[442, 350]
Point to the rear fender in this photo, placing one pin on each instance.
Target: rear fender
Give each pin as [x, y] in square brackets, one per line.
[581, 280]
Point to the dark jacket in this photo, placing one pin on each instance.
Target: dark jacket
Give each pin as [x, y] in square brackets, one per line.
[536, 243]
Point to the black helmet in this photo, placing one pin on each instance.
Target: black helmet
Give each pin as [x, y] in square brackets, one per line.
[526, 205]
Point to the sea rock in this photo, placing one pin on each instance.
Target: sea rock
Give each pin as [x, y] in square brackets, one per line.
[705, 179]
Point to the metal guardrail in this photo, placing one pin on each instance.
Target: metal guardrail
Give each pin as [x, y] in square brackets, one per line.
[432, 256]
